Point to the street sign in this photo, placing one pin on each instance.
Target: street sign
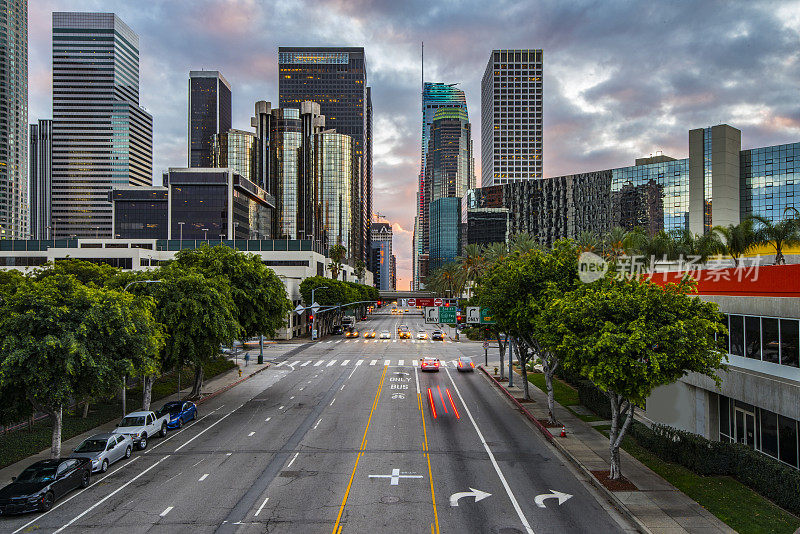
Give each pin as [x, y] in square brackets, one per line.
[487, 317]
[402, 303]
[424, 302]
[315, 307]
[486, 344]
[473, 314]
[314, 334]
[431, 315]
[447, 315]
[437, 302]
[299, 309]
[412, 303]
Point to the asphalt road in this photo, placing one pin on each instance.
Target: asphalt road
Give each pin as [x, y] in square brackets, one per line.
[341, 437]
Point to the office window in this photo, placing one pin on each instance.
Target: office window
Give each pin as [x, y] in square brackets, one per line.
[737, 335]
[724, 418]
[789, 342]
[769, 339]
[769, 433]
[787, 436]
[752, 337]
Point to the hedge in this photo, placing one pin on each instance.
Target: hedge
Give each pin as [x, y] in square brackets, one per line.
[594, 399]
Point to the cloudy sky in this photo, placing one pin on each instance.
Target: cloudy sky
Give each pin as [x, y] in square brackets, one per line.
[621, 79]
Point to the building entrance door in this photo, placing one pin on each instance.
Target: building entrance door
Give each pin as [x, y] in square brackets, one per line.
[745, 427]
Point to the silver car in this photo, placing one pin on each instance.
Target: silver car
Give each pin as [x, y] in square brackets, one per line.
[104, 449]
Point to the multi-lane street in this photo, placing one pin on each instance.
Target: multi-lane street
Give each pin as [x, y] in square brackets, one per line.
[344, 436]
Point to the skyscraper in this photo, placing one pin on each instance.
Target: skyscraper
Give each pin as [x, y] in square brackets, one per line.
[237, 150]
[338, 178]
[511, 117]
[41, 161]
[101, 137]
[14, 120]
[336, 79]
[434, 96]
[381, 256]
[209, 114]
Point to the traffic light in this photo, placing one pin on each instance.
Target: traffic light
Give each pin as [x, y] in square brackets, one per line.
[311, 317]
[446, 304]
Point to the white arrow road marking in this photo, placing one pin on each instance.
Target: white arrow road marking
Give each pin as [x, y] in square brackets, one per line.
[562, 498]
[478, 494]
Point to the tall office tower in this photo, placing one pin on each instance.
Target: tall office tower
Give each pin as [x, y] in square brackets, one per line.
[338, 177]
[237, 150]
[335, 78]
[209, 114]
[41, 161]
[511, 117]
[380, 255]
[434, 96]
[14, 120]
[101, 137]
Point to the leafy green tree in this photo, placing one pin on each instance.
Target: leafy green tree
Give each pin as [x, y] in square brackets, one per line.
[336, 292]
[735, 240]
[360, 270]
[784, 233]
[494, 252]
[62, 340]
[338, 254]
[89, 273]
[629, 337]
[523, 242]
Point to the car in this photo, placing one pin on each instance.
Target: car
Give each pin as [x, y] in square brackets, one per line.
[429, 364]
[179, 412]
[405, 334]
[422, 334]
[385, 334]
[141, 426]
[437, 335]
[363, 318]
[351, 333]
[369, 334]
[401, 328]
[465, 365]
[43, 483]
[102, 450]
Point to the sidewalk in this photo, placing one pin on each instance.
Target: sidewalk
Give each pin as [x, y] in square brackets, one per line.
[658, 507]
[211, 388]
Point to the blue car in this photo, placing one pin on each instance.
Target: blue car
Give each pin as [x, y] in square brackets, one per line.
[179, 412]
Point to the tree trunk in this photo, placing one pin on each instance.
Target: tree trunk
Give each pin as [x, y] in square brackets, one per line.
[523, 363]
[198, 381]
[147, 394]
[548, 380]
[85, 409]
[512, 344]
[502, 347]
[55, 446]
[620, 409]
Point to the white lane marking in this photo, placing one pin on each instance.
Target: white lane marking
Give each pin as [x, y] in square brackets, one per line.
[387, 362]
[302, 388]
[330, 363]
[250, 434]
[290, 398]
[359, 362]
[317, 423]
[416, 378]
[338, 341]
[415, 363]
[229, 454]
[347, 341]
[345, 362]
[491, 457]
[342, 388]
[267, 419]
[280, 407]
[318, 364]
[202, 478]
[163, 441]
[104, 499]
[334, 400]
[293, 459]
[373, 362]
[394, 341]
[401, 362]
[309, 361]
[265, 500]
[412, 341]
[212, 425]
[282, 363]
[166, 511]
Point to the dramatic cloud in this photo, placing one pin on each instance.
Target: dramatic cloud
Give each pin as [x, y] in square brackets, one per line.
[621, 79]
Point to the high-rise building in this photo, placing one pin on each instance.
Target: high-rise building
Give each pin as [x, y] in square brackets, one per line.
[338, 176]
[209, 114]
[41, 173]
[14, 120]
[101, 137]
[336, 79]
[237, 150]
[380, 258]
[434, 96]
[511, 117]
[445, 231]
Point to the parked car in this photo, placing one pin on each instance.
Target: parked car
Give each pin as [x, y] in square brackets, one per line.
[102, 450]
[437, 335]
[43, 483]
[179, 412]
[141, 426]
[465, 365]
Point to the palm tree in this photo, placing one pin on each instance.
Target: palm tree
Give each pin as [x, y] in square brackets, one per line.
[685, 244]
[447, 280]
[495, 252]
[588, 242]
[736, 239]
[473, 263]
[784, 233]
[337, 254]
[614, 243]
[639, 242]
[522, 243]
[360, 270]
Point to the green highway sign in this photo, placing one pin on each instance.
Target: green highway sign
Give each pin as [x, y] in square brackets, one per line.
[447, 314]
[486, 316]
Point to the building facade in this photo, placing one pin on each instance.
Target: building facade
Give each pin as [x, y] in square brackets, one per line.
[209, 114]
[101, 137]
[381, 256]
[14, 217]
[141, 212]
[483, 219]
[511, 117]
[445, 232]
[237, 150]
[41, 178]
[338, 176]
[336, 79]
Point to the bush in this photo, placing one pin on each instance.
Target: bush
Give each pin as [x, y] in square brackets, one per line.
[594, 399]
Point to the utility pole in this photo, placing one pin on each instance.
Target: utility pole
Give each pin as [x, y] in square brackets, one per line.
[314, 313]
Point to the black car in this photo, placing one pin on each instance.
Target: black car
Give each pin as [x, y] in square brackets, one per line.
[437, 335]
[41, 484]
[337, 331]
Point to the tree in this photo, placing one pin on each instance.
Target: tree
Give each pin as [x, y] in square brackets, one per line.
[337, 254]
[335, 292]
[88, 273]
[62, 340]
[360, 270]
[735, 240]
[783, 233]
[523, 242]
[631, 336]
[495, 252]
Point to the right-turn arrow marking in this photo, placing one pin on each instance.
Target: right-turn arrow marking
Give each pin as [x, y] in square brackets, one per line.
[478, 494]
[562, 498]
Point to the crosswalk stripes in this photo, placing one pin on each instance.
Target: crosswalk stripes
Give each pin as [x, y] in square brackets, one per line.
[293, 365]
[387, 362]
[359, 362]
[400, 362]
[345, 362]
[373, 362]
[330, 363]
[415, 363]
[303, 365]
[319, 363]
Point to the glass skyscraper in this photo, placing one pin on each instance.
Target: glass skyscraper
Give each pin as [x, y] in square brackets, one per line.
[445, 231]
[336, 169]
[41, 172]
[209, 114]
[14, 120]
[511, 117]
[237, 150]
[101, 137]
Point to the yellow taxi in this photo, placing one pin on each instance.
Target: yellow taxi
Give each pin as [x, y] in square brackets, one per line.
[369, 334]
[351, 333]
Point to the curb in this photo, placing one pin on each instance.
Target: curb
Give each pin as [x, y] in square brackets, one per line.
[615, 501]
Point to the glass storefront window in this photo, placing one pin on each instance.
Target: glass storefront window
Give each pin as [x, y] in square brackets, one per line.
[770, 340]
[769, 433]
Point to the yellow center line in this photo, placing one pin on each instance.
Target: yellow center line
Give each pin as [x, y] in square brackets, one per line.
[430, 473]
[337, 528]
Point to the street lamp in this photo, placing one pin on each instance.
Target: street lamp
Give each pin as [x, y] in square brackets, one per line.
[205, 234]
[314, 313]
[181, 226]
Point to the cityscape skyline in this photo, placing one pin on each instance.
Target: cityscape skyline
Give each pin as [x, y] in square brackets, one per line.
[589, 104]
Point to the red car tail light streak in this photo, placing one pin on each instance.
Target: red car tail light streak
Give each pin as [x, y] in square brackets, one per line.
[430, 399]
[442, 397]
[453, 404]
